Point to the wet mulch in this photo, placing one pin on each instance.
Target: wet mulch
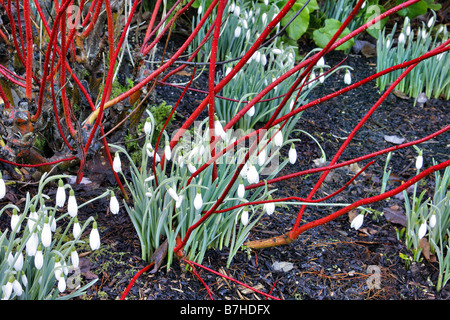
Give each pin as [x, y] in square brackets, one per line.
[329, 262]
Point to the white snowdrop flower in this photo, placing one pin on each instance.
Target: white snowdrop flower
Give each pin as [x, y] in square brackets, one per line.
[321, 77]
[149, 193]
[94, 237]
[419, 162]
[252, 174]
[422, 230]
[321, 62]
[114, 204]
[408, 30]
[18, 265]
[291, 105]
[406, 22]
[263, 59]
[150, 178]
[149, 150]
[264, 18]
[32, 245]
[62, 284]
[2, 187]
[172, 193]
[228, 70]
[39, 258]
[269, 207]
[157, 157]
[191, 167]
[15, 219]
[311, 80]
[58, 269]
[237, 11]
[251, 112]
[32, 218]
[76, 230]
[237, 32]
[424, 34]
[198, 201]
[17, 288]
[7, 289]
[244, 23]
[388, 43]
[262, 157]
[60, 194]
[347, 77]
[244, 217]
[292, 154]
[432, 221]
[24, 279]
[247, 34]
[53, 223]
[117, 164]
[72, 206]
[200, 10]
[46, 234]
[179, 201]
[430, 22]
[168, 152]
[258, 56]
[218, 129]
[10, 259]
[276, 51]
[241, 190]
[401, 38]
[278, 138]
[231, 7]
[266, 2]
[357, 221]
[363, 5]
[74, 258]
[244, 170]
[148, 126]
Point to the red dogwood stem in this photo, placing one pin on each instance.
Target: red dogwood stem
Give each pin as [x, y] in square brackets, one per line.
[29, 38]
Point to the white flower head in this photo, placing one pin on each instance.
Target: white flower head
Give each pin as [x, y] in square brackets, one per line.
[218, 129]
[60, 194]
[32, 244]
[172, 193]
[422, 230]
[39, 258]
[32, 218]
[252, 174]
[419, 161]
[357, 221]
[269, 207]
[401, 38]
[237, 11]
[321, 62]
[432, 221]
[17, 288]
[76, 230]
[15, 221]
[241, 190]
[198, 201]
[179, 201]
[117, 163]
[72, 206]
[168, 151]
[237, 32]
[46, 234]
[262, 156]
[251, 112]
[292, 154]
[94, 237]
[278, 139]
[18, 265]
[148, 126]
[2, 187]
[430, 22]
[62, 284]
[74, 258]
[347, 77]
[114, 204]
[244, 216]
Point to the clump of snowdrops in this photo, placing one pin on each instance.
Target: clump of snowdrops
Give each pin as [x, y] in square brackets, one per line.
[39, 249]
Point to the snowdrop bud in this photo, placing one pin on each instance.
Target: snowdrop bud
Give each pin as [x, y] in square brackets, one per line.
[72, 206]
[76, 231]
[53, 223]
[433, 220]
[347, 77]
[32, 218]
[117, 164]
[401, 38]
[46, 235]
[10, 259]
[241, 190]
[237, 32]
[200, 10]
[17, 288]
[148, 126]
[269, 207]
[113, 204]
[168, 152]
[2, 187]
[266, 2]
[388, 43]
[357, 221]
[237, 11]
[419, 162]
[422, 230]
[18, 265]
[179, 201]
[58, 269]
[424, 34]
[74, 257]
[292, 154]
[218, 129]
[430, 22]
[7, 289]
[191, 167]
[231, 8]
[278, 139]
[244, 217]
[264, 18]
[172, 193]
[262, 157]
[251, 111]
[408, 30]
[60, 194]
[198, 201]
[15, 219]
[244, 170]
[94, 237]
[32, 244]
[149, 150]
[321, 62]
[62, 284]
[23, 278]
[276, 51]
[252, 174]
[39, 258]
[263, 59]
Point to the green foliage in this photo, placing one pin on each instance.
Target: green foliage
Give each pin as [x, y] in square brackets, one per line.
[419, 8]
[323, 35]
[160, 114]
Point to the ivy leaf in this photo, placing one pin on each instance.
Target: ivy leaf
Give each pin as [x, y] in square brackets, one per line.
[323, 35]
[300, 24]
[417, 9]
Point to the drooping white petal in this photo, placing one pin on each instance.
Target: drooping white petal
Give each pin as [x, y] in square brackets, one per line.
[38, 259]
[419, 162]
[252, 174]
[168, 152]
[172, 193]
[347, 77]
[46, 234]
[269, 207]
[262, 157]
[147, 126]
[357, 221]
[432, 221]
[18, 265]
[244, 217]
[117, 164]
[292, 154]
[17, 288]
[278, 139]
[76, 231]
[2, 187]
[15, 219]
[114, 204]
[62, 284]
[422, 230]
[72, 206]
[74, 257]
[94, 237]
[32, 245]
[241, 190]
[198, 201]
[60, 195]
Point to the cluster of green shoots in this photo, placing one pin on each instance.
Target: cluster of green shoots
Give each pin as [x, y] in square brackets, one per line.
[430, 77]
[39, 249]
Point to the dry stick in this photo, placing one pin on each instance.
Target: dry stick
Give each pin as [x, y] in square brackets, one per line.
[287, 237]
